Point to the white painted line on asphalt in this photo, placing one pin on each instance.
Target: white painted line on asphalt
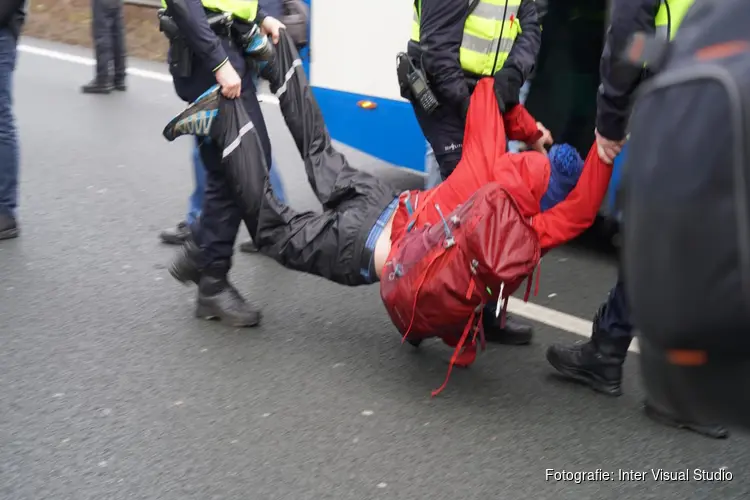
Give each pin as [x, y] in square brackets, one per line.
[555, 319]
[547, 316]
[142, 73]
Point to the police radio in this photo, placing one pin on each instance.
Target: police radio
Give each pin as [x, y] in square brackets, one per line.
[414, 84]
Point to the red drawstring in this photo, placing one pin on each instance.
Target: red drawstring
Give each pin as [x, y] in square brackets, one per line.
[529, 280]
[456, 353]
[538, 273]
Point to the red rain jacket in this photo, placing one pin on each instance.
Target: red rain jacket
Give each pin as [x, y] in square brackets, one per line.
[525, 175]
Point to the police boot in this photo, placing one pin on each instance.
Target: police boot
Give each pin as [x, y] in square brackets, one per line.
[218, 299]
[596, 363]
[197, 118]
[98, 86]
[184, 268]
[513, 332]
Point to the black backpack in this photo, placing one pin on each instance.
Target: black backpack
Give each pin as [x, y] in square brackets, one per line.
[686, 233]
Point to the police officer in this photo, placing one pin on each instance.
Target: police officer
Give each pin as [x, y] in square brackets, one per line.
[455, 43]
[108, 28]
[200, 58]
[499, 39]
[598, 362]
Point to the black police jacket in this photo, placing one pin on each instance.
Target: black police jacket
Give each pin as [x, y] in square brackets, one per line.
[441, 32]
[619, 79]
[12, 15]
[209, 50]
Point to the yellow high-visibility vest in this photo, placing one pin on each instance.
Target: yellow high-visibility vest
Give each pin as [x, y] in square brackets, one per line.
[670, 16]
[489, 33]
[247, 10]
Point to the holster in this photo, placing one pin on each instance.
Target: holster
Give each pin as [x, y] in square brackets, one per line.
[181, 55]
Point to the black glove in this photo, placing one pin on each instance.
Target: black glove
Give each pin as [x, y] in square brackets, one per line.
[508, 82]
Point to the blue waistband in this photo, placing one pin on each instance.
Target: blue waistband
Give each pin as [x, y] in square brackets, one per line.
[377, 228]
[372, 238]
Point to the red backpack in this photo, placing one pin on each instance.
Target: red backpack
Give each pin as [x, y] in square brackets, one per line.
[439, 278]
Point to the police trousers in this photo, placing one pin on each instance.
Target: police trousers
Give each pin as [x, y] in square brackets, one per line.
[221, 214]
[108, 31]
[444, 130]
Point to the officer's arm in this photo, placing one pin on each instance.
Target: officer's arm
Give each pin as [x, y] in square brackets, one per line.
[619, 79]
[193, 23]
[7, 9]
[440, 33]
[526, 46]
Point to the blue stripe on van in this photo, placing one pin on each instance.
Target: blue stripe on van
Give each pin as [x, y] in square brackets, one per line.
[389, 132]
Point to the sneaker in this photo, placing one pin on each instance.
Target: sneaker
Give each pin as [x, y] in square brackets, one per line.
[197, 118]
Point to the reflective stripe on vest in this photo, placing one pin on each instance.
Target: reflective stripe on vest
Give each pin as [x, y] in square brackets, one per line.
[247, 10]
[489, 33]
[670, 16]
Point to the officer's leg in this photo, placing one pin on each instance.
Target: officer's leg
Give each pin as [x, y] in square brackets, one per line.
[101, 27]
[444, 130]
[119, 51]
[181, 232]
[208, 257]
[598, 362]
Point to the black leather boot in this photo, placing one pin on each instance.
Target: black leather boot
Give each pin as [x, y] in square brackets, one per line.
[176, 235]
[513, 333]
[218, 299]
[184, 267]
[98, 86]
[596, 363]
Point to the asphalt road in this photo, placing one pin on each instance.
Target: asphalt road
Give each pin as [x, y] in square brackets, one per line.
[111, 390]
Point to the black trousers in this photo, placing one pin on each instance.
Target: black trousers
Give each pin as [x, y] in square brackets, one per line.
[221, 215]
[108, 32]
[444, 130]
[332, 244]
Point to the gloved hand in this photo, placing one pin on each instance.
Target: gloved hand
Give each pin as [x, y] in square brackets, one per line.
[508, 82]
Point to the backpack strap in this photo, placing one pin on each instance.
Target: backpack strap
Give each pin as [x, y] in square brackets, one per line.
[413, 214]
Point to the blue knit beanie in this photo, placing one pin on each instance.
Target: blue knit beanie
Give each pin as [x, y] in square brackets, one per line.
[567, 166]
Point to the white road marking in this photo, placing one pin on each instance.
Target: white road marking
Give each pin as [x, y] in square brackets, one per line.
[142, 73]
[555, 319]
[550, 317]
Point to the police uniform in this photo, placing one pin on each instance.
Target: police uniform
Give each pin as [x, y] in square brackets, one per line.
[598, 362]
[499, 38]
[215, 233]
[108, 30]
